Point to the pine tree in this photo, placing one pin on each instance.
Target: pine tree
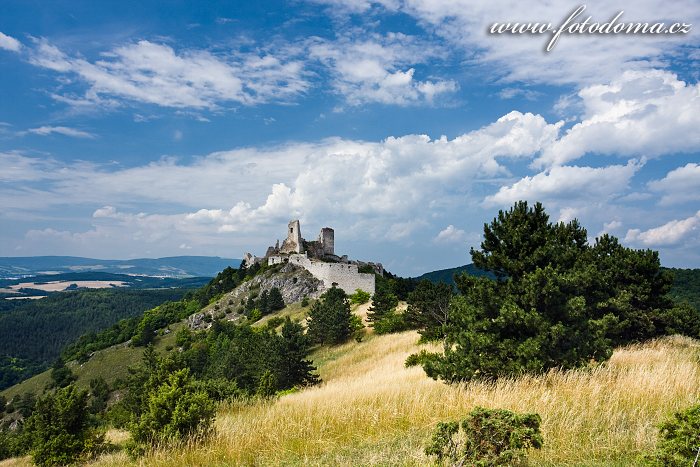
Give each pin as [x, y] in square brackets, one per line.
[556, 302]
[429, 309]
[263, 303]
[275, 301]
[295, 369]
[383, 303]
[330, 318]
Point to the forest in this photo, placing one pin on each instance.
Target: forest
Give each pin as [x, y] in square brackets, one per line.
[34, 332]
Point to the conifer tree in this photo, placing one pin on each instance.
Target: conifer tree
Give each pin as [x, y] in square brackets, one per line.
[330, 318]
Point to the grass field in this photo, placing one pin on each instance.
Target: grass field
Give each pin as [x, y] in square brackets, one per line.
[370, 410]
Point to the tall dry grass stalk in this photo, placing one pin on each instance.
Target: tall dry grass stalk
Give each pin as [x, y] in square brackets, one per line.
[370, 410]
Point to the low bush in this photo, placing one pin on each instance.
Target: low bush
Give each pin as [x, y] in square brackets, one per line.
[679, 439]
[488, 437]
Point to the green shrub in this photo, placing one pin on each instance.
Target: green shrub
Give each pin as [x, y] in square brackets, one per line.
[488, 437]
[357, 328]
[60, 431]
[679, 439]
[305, 301]
[360, 297]
[274, 322]
[391, 322]
[176, 411]
[254, 315]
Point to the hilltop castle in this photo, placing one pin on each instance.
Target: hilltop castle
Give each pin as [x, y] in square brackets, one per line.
[319, 258]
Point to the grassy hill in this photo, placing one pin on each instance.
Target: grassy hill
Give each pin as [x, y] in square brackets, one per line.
[371, 410]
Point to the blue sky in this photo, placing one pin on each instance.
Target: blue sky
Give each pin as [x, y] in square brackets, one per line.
[145, 129]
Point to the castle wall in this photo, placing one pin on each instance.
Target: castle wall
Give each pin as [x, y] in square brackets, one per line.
[345, 275]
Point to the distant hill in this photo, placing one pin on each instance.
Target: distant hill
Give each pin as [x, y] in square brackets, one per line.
[686, 286]
[686, 283]
[174, 266]
[447, 275]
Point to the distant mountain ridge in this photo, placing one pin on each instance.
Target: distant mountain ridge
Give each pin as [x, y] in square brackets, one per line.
[173, 266]
[447, 275]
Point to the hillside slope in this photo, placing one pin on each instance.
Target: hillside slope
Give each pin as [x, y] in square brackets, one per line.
[371, 410]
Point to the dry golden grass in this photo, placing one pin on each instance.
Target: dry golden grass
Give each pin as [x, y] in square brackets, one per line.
[370, 410]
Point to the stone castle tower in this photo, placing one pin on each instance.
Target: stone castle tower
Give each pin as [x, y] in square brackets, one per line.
[327, 239]
[293, 243]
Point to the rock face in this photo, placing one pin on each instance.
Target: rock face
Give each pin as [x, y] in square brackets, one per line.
[294, 283]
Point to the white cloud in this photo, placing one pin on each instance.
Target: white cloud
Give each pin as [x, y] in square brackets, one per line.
[381, 69]
[647, 113]
[679, 185]
[671, 233]
[387, 190]
[451, 234]
[157, 74]
[61, 130]
[566, 184]
[576, 59]
[9, 43]
[610, 227]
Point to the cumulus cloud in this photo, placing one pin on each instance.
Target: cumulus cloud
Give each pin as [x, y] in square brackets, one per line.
[61, 130]
[671, 233]
[381, 69]
[648, 113]
[157, 74]
[451, 234]
[566, 184]
[679, 185]
[374, 189]
[9, 43]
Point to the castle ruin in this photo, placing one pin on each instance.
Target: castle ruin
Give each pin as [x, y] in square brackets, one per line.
[319, 258]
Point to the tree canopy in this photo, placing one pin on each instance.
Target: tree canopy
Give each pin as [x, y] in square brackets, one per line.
[555, 301]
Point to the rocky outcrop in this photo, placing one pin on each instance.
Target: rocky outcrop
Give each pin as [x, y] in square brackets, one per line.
[294, 283]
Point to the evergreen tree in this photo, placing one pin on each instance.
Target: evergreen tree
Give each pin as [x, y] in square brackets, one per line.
[275, 300]
[383, 302]
[60, 429]
[429, 309]
[61, 375]
[330, 318]
[263, 303]
[556, 301]
[295, 369]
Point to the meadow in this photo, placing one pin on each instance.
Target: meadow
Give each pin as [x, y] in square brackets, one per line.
[371, 410]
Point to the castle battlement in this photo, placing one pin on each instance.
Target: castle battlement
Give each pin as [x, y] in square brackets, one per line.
[319, 258]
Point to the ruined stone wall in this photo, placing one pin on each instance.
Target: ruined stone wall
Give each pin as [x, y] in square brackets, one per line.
[345, 275]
